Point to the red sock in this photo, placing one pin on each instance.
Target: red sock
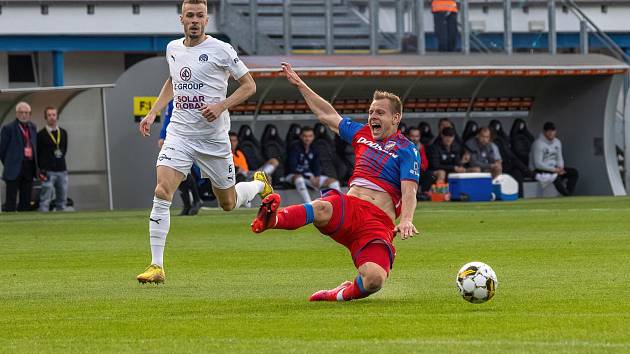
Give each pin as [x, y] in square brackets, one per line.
[293, 217]
[356, 290]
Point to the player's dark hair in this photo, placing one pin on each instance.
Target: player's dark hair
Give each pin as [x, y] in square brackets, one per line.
[394, 101]
[306, 128]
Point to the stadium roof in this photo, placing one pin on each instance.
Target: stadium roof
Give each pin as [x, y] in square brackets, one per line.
[441, 65]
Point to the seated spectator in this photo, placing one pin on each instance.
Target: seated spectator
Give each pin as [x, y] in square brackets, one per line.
[484, 154]
[240, 161]
[304, 167]
[445, 156]
[426, 180]
[547, 161]
[521, 140]
[512, 165]
[447, 122]
[241, 169]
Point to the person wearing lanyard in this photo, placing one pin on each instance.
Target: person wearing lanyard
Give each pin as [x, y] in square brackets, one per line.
[52, 143]
[18, 153]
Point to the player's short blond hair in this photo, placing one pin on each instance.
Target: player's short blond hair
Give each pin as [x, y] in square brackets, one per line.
[394, 101]
[194, 2]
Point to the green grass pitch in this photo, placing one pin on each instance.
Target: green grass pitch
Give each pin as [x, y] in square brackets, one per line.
[67, 284]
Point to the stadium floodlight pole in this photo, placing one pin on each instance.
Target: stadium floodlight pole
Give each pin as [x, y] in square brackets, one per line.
[400, 23]
[287, 27]
[551, 8]
[507, 24]
[253, 17]
[583, 37]
[373, 27]
[329, 28]
[466, 28]
[419, 23]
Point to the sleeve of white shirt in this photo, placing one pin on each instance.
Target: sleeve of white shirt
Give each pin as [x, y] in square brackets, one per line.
[233, 63]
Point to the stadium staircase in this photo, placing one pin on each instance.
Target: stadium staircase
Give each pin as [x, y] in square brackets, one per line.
[350, 32]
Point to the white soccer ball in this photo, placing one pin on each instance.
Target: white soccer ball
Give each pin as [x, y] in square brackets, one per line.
[477, 282]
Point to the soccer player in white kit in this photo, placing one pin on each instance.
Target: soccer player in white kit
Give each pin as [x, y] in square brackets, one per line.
[199, 67]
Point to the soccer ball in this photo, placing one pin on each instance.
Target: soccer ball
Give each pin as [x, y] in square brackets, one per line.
[477, 282]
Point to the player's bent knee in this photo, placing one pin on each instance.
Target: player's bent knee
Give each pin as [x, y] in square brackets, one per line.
[322, 211]
[374, 277]
[162, 193]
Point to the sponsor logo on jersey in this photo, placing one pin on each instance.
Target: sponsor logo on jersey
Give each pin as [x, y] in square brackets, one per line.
[375, 146]
[185, 73]
[189, 102]
[188, 86]
[203, 57]
[390, 145]
[236, 60]
[173, 57]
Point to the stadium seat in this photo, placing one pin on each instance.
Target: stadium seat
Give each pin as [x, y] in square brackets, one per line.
[510, 162]
[426, 136]
[470, 130]
[345, 153]
[326, 149]
[521, 140]
[403, 128]
[293, 134]
[273, 147]
[250, 147]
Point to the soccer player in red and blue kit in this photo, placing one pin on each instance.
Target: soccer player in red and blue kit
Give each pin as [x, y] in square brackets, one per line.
[382, 187]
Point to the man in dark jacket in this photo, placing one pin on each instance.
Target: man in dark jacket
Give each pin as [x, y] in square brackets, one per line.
[52, 146]
[445, 155]
[18, 153]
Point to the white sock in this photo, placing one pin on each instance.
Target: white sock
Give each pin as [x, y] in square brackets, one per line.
[159, 223]
[268, 169]
[335, 185]
[300, 185]
[246, 191]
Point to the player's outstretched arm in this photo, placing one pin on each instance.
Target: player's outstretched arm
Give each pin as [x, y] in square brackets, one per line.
[246, 88]
[323, 110]
[405, 226]
[166, 95]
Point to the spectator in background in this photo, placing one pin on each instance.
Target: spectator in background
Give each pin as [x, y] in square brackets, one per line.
[445, 24]
[52, 146]
[18, 153]
[426, 179]
[240, 162]
[189, 185]
[484, 154]
[546, 159]
[447, 122]
[304, 167]
[445, 156]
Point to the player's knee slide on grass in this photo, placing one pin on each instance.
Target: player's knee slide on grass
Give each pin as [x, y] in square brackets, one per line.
[373, 281]
[227, 205]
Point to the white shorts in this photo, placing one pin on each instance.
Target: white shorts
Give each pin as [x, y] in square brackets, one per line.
[214, 158]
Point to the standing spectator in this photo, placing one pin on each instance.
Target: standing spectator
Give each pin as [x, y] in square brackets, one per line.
[18, 153]
[426, 179]
[445, 156]
[445, 24]
[304, 166]
[546, 158]
[52, 146]
[484, 154]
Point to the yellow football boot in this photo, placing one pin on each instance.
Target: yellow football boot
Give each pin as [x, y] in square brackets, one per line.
[261, 176]
[153, 274]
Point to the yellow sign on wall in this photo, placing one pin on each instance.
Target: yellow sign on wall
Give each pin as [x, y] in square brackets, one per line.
[142, 106]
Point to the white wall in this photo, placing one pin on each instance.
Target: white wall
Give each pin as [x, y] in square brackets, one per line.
[4, 70]
[85, 68]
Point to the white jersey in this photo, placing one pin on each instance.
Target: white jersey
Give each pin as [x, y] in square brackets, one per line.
[200, 76]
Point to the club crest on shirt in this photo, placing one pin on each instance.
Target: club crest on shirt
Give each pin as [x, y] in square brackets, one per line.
[390, 145]
[185, 73]
[203, 57]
